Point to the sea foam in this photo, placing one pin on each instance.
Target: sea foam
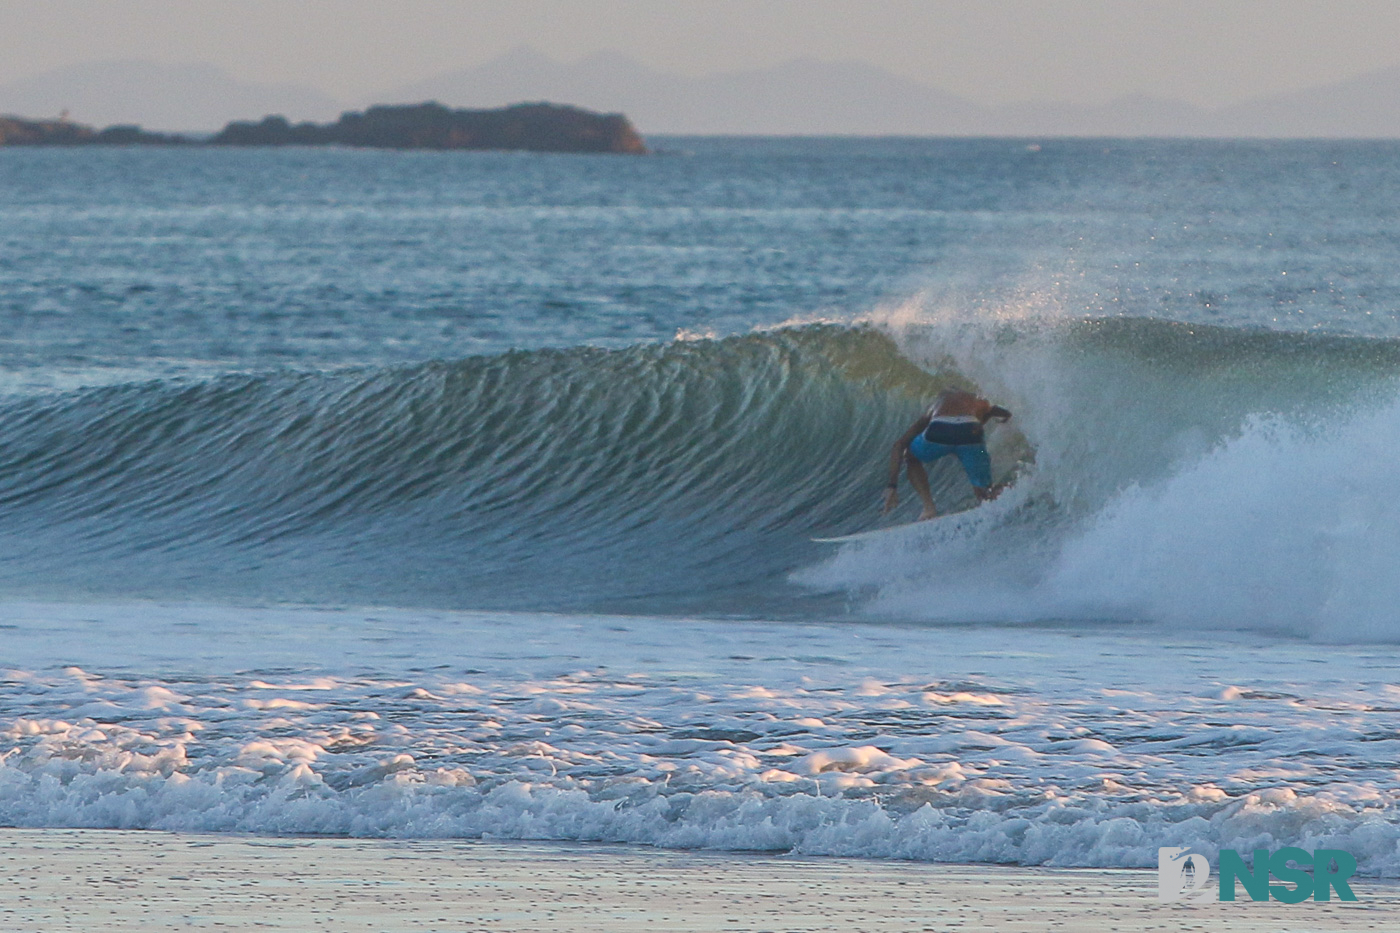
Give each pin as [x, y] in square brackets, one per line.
[961, 744]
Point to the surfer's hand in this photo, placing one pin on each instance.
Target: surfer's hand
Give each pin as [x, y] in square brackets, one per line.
[891, 499]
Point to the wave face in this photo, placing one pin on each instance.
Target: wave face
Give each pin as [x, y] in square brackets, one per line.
[657, 476]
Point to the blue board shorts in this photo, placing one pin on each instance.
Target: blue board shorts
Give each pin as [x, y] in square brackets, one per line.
[976, 462]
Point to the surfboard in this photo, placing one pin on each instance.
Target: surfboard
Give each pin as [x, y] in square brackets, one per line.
[909, 527]
[882, 532]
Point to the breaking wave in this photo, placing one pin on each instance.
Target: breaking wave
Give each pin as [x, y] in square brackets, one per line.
[1164, 472]
[1186, 475]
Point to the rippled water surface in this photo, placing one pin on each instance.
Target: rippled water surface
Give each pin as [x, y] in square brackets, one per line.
[571, 423]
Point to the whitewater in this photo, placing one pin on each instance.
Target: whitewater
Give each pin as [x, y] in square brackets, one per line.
[420, 495]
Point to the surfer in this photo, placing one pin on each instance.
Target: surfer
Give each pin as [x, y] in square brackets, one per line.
[954, 424]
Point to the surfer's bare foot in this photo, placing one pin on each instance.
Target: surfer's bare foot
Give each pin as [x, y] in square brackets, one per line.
[926, 514]
[990, 493]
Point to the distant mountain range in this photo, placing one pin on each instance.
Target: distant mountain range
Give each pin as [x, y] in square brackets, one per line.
[798, 97]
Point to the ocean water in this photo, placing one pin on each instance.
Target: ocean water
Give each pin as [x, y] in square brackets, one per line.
[464, 494]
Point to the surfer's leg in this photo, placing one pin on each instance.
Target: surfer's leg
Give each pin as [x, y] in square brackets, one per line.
[977, 464]
[918, 478]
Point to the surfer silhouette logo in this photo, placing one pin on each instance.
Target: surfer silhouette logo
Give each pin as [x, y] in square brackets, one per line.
[1182, 876]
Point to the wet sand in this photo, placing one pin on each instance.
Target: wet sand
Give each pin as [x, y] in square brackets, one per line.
[105, 880]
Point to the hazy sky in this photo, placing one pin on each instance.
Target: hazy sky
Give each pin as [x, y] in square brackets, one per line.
[1208, 52]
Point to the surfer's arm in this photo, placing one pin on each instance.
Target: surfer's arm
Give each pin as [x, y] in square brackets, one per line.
[997, 412]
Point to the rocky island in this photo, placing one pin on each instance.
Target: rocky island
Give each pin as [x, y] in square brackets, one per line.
[529, 127]
[15, 131]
